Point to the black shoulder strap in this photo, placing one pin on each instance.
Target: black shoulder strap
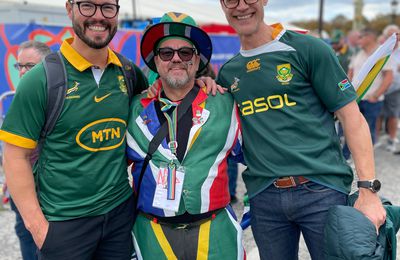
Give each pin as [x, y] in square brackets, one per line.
[163, 131]
[56, 76]
[129, 73]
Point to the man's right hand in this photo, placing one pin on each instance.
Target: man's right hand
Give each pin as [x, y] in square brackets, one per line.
[39, 233]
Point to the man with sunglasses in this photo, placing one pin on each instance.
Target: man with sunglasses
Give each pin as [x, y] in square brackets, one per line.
[288, 86]
[29, 54]
[183, 200]
[77, 201]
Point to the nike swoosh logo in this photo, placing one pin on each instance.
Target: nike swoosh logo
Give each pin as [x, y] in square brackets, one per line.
[97, 100]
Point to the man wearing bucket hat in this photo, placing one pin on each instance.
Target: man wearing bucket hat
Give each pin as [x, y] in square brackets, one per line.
[183, 202]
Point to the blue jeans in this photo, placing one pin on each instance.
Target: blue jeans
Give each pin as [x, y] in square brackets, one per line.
[26, 243]
[371, 112]
[279, 215]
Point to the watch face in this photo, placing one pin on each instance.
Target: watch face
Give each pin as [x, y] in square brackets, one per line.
[376, 185]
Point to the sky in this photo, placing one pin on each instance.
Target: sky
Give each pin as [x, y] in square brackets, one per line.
[277, 10]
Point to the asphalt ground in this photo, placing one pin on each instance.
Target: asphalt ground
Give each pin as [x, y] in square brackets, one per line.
[387, 170]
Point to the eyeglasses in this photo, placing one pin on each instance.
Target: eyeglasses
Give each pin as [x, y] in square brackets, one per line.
[88, 9]
[27, 66]
[230, 4]
[184, 53]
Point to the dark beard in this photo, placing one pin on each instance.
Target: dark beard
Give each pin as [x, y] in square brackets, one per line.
[80, 32]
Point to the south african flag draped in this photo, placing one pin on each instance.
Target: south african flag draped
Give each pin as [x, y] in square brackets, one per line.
[374, 64]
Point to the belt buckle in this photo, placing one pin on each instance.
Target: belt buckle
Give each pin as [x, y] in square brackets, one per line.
[291, 178]
[182, 226]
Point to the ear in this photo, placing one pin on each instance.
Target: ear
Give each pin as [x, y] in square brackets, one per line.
[68, 7]
[197, 62]
[157, 61]
[265, 2]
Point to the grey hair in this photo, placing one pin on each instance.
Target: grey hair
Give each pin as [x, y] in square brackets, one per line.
[390, 28]
[40, 47]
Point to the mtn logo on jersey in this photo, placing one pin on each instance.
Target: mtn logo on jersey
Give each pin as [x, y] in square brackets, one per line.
[235, 86]
[73, 89]
[122, 85]
[253, 65]
[284, 73]
[344, 84]
[102, 135]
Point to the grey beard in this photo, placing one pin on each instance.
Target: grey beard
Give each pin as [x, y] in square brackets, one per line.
[177, 83]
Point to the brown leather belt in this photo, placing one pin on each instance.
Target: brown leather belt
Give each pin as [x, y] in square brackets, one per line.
[289, 182]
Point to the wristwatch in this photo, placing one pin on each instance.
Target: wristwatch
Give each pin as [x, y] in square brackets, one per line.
[374, 185]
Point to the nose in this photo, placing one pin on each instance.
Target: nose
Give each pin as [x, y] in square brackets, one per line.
[176, 57]
[98, 13]
[242, 5]
[22, 71]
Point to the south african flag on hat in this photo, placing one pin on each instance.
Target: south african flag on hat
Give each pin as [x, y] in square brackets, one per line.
[179, 25]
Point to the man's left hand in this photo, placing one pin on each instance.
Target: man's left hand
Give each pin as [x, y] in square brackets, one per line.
[211, 85]
[371, 206]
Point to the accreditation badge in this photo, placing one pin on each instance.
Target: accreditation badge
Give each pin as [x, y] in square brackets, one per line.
[169, 187]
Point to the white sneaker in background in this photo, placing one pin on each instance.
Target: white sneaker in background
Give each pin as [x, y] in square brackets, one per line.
[391, 145]
[377, 144]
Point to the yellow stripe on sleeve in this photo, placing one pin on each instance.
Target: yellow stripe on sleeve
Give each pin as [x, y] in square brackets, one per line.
[17, 140]
[204, 241]
[165, 246]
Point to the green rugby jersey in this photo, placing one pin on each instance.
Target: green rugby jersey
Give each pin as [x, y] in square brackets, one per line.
[82, 169]
[287, 91]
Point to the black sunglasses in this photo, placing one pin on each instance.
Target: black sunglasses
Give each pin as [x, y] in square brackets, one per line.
[184, 53]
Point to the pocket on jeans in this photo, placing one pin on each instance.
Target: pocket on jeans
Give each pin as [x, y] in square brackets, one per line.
[48, 237]
[315, 187]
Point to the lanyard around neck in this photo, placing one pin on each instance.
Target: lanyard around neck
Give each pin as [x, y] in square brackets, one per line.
[172, 122]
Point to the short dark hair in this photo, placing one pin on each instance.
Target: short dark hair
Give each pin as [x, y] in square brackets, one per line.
[369, 31]
[40, 47]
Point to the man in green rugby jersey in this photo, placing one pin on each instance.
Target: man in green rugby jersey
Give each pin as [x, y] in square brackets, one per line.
[288, 86]
[76, 202]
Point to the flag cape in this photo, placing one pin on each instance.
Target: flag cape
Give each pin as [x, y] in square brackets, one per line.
[372, 66]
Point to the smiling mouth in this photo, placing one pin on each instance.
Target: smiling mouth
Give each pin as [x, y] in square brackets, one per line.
[95, 28]
[244, 17]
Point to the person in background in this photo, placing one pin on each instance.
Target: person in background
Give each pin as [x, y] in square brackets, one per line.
[288, 87]
[352, 40]
[342, 50]
[391, 103]
[372, 103]
[29, 54]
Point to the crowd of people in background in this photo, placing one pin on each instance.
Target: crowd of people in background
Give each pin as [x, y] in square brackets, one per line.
[381, 105]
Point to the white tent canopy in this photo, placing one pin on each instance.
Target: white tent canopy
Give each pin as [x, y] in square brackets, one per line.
[202, 13]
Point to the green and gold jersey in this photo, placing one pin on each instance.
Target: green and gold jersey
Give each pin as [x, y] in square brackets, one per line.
[82, 169]
[287, 91]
